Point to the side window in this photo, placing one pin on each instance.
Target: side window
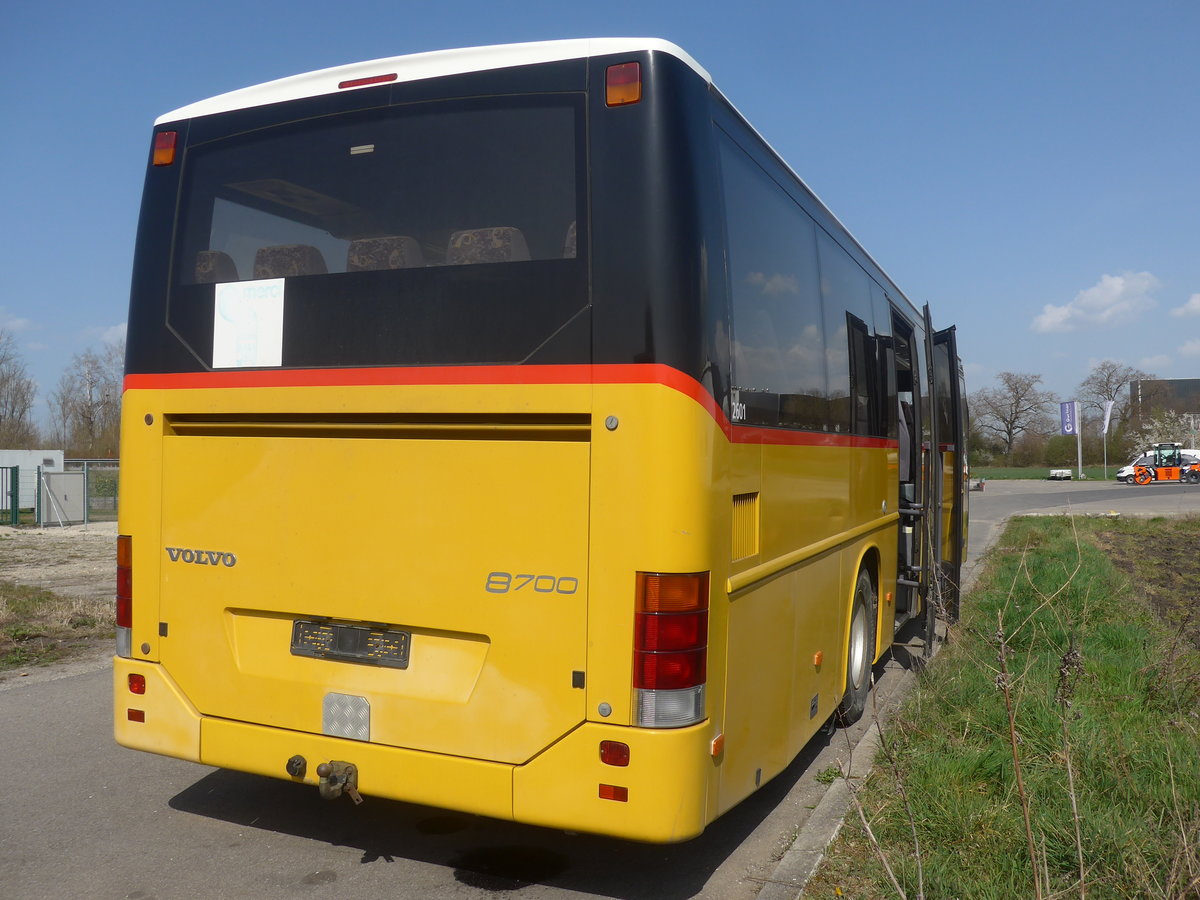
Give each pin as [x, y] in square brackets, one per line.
[779, 372]
[846, 295]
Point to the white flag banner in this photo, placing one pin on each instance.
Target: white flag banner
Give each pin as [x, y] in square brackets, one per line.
[1108, 405]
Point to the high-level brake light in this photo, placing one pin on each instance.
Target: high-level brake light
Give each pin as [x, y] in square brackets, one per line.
[124, 596]
[363, 82]
[623, 84]
[670, 649]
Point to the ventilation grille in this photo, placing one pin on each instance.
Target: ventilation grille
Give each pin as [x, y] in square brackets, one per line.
[498, 427]
[745, 525]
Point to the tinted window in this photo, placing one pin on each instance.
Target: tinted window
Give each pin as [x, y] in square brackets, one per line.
[849, 325]
[446, 232]
[778, 335]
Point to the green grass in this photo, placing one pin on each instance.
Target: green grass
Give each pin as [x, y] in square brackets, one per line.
[38, 627]
[1129, 721]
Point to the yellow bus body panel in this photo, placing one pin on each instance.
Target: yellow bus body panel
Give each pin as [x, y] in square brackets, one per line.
[171, 724]
[666, 780]
[489, 717]
[451, 782]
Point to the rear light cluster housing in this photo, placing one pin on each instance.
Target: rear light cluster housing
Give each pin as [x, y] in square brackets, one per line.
[124, 596]
[670, 649]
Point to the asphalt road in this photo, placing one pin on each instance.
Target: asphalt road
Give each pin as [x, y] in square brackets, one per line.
[86, 818]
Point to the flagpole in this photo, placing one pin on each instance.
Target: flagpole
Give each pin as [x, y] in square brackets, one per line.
[1108, 408]
[1078, 440]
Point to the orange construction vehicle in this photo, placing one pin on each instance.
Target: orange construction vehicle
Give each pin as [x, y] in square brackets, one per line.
[1167, 464]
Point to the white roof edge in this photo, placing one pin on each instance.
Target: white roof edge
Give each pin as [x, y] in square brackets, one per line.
[416, 66]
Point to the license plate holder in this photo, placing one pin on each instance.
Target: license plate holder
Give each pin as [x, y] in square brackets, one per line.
[363, 644]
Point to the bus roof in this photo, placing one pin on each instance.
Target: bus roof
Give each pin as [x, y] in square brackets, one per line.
[417, 66]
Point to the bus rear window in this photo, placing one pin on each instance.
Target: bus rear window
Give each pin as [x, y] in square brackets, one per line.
[421, 213]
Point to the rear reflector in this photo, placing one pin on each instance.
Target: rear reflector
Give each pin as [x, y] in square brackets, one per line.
[164, 147]
[614, 792]
[623, 84]
[136, 715]
[137, 684]
[363, 82]
[614, 753]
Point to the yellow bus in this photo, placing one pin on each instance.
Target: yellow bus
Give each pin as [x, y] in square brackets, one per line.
[510, 430]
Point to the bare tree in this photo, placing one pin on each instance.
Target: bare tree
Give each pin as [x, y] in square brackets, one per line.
[85, 410]
[1109, 381]
[1014, 407]
[17, 391]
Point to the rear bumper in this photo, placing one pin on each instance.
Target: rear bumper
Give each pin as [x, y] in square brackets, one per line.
[668, 780]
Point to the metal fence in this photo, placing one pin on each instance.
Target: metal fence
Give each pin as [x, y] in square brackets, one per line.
[85, 491]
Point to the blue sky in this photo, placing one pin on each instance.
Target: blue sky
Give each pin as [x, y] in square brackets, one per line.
[1029, 169]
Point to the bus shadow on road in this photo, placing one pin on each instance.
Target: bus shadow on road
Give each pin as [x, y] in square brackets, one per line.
[487, 853]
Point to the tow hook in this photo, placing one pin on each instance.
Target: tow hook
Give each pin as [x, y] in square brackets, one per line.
[339, 778]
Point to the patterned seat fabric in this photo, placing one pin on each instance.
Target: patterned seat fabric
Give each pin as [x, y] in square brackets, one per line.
[569, 244]
[393, 252]
[288, 260]
[486, 245]
[214, 267]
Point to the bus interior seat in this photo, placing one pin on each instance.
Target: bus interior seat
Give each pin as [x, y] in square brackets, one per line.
[288, 260]
[389, 252]
[569, 244]
[214, 267]
[487, 245]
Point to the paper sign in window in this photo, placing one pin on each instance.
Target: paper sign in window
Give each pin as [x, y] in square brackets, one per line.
[248, 324]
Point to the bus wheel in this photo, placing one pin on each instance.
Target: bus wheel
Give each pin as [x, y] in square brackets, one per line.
[859, 652]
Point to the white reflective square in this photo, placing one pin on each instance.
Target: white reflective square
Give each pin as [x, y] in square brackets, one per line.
[348, 716]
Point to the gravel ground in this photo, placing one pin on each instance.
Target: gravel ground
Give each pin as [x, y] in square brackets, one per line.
[78, 561]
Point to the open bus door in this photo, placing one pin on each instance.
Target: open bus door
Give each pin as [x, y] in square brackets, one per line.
[950, 437]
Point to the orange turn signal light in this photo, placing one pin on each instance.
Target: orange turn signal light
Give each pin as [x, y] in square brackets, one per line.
[623, 84]
[658, 593]
[718, 745]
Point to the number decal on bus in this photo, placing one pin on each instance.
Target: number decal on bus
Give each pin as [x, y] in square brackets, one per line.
[508, 583]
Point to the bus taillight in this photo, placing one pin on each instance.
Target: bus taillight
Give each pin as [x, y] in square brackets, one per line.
[124, 596]
[670, 649]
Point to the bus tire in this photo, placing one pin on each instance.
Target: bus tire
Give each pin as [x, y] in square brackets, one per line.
[860, 652]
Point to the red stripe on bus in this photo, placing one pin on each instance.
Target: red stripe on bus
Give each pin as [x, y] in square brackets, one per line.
[501, 375]
[749, 434]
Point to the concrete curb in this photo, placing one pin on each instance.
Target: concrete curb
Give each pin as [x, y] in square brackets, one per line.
[800, 861]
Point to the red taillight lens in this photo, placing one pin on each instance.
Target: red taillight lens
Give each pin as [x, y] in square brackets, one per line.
[137, 684]
[124, 581]
[623, 84]
[670, 671]
[672, 631]
[164, 147]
